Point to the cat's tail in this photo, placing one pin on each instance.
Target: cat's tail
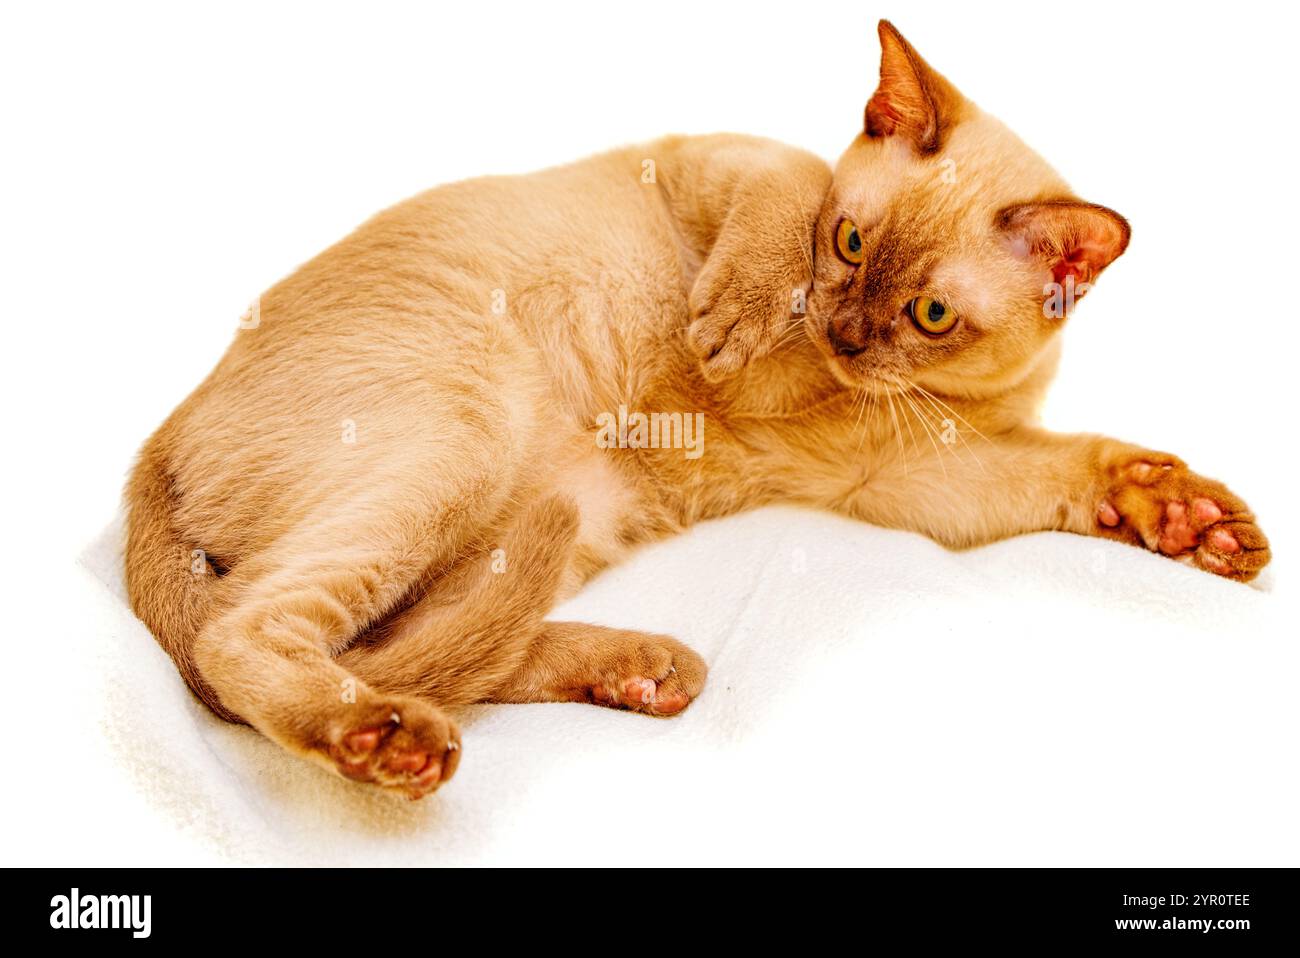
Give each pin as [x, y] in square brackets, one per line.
[172, 585]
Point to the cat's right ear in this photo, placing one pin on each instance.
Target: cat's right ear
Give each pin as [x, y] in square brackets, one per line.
[913, 100]
[1074, 241]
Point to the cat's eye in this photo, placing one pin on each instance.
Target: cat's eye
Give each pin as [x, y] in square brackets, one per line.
[931, 316]
[848, 243]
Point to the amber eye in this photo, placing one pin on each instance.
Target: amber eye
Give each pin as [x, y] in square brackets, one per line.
[848, 242]
[931, 316]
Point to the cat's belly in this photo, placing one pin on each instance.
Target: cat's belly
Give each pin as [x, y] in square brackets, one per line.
[614, 511]
[606, 503]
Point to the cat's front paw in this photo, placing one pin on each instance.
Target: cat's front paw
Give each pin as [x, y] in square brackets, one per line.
[1157, 502]
[736, 319]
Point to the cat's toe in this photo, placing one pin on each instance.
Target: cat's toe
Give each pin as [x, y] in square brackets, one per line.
[722, 342]
[669, 699]
[1108, 515]
[1223, 541]
[1236, 549]
[643, 695]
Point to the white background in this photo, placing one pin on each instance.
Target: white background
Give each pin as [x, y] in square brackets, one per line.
[162, 166]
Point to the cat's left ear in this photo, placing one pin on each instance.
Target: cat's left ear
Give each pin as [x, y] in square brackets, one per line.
[912, 100]
[1073, 240]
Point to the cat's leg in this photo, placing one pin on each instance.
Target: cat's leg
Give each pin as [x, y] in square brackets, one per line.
[576, 662]
[748, 208]
[473, 629]
[267, 660]
[1029, 480]
[479, 636]
[268, 657]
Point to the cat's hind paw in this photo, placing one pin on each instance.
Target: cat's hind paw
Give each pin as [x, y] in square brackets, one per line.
[407, 747]
[647, 673]
[617, 668]
[1157, 502]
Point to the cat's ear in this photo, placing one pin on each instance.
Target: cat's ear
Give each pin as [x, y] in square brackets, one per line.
[1073, 240]
[912, 99]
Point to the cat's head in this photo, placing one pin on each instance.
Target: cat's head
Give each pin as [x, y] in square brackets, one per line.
[947, 252]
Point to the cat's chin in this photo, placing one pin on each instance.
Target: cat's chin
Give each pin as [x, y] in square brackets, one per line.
[845, 376]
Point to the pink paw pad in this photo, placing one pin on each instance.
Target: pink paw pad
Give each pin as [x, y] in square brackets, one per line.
[639, 690]
[1206, 511]
[1107, 515]
[424, 776]
[1177, 535]
[413, 761]
[1224, 541]
[357, 771]
[362, 741]
[642, 693]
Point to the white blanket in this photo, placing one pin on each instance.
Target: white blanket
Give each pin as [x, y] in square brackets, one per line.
[873, 699]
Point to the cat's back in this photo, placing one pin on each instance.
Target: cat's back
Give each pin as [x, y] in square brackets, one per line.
[362, 348]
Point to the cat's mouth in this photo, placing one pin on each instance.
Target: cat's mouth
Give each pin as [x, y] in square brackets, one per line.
[859, 372]
[856, 368]
[879, 383]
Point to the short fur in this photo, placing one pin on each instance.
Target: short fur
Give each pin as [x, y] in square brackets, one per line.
[359, 520]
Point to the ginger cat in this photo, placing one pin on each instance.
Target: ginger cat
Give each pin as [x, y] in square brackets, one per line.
[434, 429]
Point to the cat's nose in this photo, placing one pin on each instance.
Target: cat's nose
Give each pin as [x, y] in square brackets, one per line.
[847, 341]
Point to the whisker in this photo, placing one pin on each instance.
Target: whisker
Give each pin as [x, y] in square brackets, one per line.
[866, 423]
[789, 334]
[929, 430]
[902, 411]
[966, 445]
[898, 433]
[933, 398]
[859, 403]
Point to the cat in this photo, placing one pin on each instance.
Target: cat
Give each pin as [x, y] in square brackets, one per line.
[359, 521]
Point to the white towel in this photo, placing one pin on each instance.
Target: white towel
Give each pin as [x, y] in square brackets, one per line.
[873, 699]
